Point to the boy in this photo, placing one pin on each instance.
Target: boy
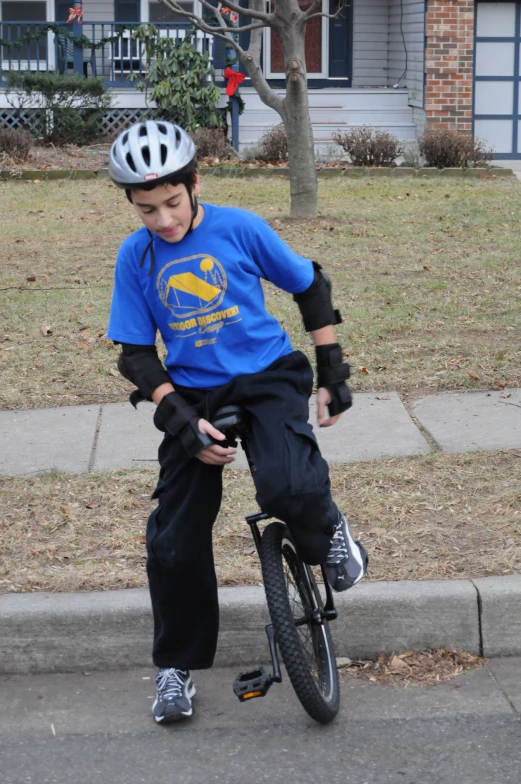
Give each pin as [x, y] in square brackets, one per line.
[194, 272]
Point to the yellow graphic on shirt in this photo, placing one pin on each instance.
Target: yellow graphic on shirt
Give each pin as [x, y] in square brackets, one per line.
[188, 283]
[192, 289]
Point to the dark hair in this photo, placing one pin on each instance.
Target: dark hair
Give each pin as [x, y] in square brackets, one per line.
[185, 176]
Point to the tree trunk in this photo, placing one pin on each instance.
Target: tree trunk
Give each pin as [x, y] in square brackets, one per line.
[297, 123]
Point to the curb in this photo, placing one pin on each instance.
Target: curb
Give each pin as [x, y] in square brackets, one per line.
[49, 632]
[239, 172]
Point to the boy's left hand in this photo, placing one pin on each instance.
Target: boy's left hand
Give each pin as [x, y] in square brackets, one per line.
[323, 418]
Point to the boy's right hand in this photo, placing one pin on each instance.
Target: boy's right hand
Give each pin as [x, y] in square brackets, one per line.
[215, 454]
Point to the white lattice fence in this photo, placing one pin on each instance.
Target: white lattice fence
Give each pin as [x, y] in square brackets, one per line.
[21, 119]
[114, 120]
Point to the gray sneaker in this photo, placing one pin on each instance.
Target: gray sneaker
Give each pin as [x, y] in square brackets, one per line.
[175, 690]
[346, 563]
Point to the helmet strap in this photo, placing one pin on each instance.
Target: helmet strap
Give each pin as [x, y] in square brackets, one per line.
[195, 208]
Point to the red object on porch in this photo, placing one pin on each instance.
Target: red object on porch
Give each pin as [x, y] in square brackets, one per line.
[234, 80]
[75, 13]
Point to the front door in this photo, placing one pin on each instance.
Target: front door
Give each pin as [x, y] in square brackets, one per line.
[497, 118]
[328, 47]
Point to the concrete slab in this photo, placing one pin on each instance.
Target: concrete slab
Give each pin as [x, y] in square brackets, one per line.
[43, 632]
[468, 421]
[47, 439]
[127, 437]
[392, 617]
[500, 599]
[507, 671]
[377, 425]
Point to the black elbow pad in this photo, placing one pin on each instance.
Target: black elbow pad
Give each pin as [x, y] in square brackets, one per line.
[315, 304]
[142, 366]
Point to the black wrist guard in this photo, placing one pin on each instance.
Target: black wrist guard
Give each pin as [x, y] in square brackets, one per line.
[142, 366]
[315, 305]
[173, 415]
[332, 373]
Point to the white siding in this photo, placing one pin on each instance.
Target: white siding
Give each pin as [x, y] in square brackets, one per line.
[370, 42]
[413, 26]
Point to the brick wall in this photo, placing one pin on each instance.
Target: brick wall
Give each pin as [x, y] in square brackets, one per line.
[449, 57]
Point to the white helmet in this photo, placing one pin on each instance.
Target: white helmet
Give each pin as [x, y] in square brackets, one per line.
[149, 151]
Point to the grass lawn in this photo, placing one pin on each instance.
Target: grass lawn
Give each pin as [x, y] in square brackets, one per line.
[421, 518]
[428, 279]
[426, 274]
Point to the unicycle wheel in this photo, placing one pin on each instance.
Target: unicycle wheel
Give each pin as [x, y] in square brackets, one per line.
[301, 630]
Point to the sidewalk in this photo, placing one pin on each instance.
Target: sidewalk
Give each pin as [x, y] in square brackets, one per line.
[42, 632]
[104, 437]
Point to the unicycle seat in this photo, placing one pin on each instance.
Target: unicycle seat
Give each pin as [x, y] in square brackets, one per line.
[232, 421]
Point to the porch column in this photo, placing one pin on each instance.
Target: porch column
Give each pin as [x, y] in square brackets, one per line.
[449, 58]
[77, 29]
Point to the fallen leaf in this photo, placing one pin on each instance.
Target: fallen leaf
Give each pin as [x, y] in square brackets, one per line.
[248, 551]
[46, 330]
[92, 505]
[447, 195]
[143, 539]
[31, 278]
[383, 397]
[426, 267]
[398, 664]
[473, 375]
[364, 370]
[113, 372]
[343, 661]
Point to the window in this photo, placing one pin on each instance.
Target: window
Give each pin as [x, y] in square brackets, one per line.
[27, 14]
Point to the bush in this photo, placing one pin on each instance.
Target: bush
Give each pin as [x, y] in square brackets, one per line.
[68, 109]
[274, 144]
[212, 143]
[445, 149]
[16, 144]
[367, 147]
[180, 80]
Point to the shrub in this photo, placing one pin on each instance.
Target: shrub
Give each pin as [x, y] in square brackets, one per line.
[68, 109]
[16, 144]
[367, 147]
[274, 144]
[180, 80]
[445, 149]
[212, 143]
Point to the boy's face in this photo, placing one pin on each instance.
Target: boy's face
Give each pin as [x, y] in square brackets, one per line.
[166, 210]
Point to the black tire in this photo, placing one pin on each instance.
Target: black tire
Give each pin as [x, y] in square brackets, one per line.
[307, 649]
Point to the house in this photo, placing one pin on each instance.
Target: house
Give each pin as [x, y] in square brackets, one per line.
[401, 65]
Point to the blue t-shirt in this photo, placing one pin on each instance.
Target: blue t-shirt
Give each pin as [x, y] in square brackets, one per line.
[205, 296]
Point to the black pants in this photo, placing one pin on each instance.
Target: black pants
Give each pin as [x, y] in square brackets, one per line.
[291, 482]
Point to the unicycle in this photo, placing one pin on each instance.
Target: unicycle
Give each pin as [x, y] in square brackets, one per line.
[300, 618]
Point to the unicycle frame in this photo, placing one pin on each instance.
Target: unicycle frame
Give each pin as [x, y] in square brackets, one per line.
[230, 420]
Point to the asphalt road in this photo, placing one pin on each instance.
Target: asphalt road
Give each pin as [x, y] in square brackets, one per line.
[90, 728]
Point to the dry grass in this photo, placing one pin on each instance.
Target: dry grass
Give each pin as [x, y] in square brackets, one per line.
[425, 273]
[414, 668]
[430, 517]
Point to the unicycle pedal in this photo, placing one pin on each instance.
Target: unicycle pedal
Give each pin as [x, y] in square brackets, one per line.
[252, 684]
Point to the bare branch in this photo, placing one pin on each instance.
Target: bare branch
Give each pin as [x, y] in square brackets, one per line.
[326, 16]
[309, 14]
[263, 17]
[312, 8]
[227, 32]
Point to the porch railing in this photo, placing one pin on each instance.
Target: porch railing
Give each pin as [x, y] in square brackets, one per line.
[115, 60]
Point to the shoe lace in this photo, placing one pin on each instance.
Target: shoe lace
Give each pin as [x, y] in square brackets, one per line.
[338, 550]
[170, 683]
